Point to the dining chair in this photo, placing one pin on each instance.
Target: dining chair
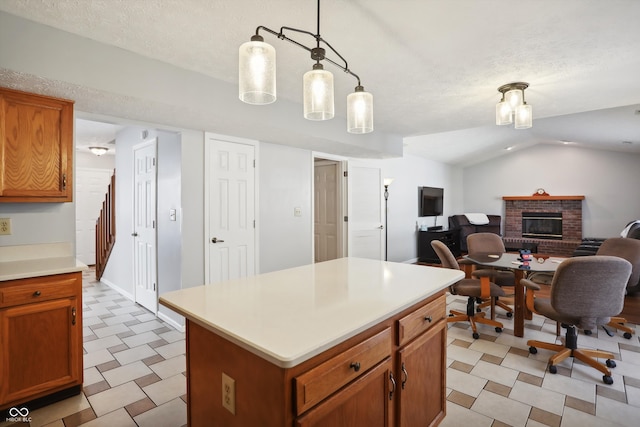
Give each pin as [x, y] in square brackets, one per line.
[488, 243]
[628, 249]
[585, 292]
[473, 288]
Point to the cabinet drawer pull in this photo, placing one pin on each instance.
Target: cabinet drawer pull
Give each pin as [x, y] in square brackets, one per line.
[428, 319]
[37, 294]
[355, 366]
[393, 385]
[405, 375]
[64, 181]
[73, 316]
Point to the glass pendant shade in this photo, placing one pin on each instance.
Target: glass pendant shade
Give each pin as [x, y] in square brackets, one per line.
[359, 111]
[514, 97]
[524, 117]
[257, 73]
[503, 113]
[318, 94]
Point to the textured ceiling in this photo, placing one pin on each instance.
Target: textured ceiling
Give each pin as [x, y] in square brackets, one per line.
[433, 66]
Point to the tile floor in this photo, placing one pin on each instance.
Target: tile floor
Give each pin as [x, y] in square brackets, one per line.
[134, 375]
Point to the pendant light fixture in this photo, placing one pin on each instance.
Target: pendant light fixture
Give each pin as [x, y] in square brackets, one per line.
[512, 107]
[257, 79]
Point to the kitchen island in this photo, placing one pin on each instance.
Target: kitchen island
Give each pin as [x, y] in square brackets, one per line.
[343, 342]
[40, 324]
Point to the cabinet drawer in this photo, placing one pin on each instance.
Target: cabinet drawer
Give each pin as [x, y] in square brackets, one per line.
[421, 319]
[33, 292]
[323, 380]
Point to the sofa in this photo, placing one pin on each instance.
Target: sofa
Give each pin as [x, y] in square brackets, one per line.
[461, 223]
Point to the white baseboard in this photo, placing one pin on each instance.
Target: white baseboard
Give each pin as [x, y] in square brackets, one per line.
[411, 261]
[118, 289]
[177, 326]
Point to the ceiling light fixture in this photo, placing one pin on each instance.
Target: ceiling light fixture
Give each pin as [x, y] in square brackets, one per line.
[98, 151]
[512, 107]
[257, 79]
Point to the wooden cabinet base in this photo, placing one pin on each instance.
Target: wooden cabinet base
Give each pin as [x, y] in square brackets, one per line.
[40, 337]
[367, 380]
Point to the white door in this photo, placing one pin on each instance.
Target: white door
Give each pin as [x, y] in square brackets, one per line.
[91, 189]
[326, 215]
[231, 224]
[366, 229]
[144, 223]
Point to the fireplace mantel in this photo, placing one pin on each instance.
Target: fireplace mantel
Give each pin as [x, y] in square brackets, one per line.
[537, 197]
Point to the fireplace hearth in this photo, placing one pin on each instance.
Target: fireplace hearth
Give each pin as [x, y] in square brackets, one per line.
[559, 236]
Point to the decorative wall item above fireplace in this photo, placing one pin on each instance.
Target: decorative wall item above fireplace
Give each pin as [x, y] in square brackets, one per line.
[542, 225]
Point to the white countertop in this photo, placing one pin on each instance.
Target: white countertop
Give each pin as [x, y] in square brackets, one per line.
[24, 261]
[289, 316]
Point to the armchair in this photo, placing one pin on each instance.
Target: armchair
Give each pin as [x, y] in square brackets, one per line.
[585, 292]
[461, 222]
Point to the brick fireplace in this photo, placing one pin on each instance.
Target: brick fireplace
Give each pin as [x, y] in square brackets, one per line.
[569, 207]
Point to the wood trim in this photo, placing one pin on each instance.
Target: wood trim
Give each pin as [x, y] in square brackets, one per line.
[542, 197]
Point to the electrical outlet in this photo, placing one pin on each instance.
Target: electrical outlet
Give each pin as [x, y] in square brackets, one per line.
[5, 226]
[229, 393]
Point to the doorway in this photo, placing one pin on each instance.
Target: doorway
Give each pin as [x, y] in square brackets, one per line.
[327, 208]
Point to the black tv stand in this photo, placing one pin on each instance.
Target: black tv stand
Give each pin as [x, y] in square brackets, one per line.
[426, 254]
[434, 228]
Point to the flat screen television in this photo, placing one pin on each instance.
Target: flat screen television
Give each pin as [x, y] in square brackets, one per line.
[431, 201]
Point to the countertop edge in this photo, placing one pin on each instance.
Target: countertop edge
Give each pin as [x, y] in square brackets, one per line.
[289, 362]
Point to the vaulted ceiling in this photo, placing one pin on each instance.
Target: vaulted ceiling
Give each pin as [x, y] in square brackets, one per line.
[433, 66]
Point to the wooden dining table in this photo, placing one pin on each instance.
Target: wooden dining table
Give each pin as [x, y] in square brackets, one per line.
[521, 268]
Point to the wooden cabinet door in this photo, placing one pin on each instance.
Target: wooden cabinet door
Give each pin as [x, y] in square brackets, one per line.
[36, 148]
[41, 348]
[363, 403]
[421, 375]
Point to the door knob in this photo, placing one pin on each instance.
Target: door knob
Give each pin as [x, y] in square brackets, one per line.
[215, 240]
[134, 234]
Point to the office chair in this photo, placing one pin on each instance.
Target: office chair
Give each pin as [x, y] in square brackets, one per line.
[585, 292]
[490, 243]
[628, 249]
[471, 288]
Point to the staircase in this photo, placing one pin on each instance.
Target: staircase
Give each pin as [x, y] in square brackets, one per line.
[106, 228]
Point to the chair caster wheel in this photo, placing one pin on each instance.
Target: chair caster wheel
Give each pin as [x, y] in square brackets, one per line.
[498, 329]
[627, 335]
[607, 379]
[509, 314]
[553, 369]
[476, 335]
[533, 350]
[610, 363]
[587, 332]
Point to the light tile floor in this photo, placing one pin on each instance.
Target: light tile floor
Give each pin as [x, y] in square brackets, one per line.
[135, 363]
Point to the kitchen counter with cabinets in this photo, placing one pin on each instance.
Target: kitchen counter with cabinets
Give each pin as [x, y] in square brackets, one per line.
[317, 345]
[40, 324]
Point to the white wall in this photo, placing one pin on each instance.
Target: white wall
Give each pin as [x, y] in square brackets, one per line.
[608, 180]
[169, 233]
[285, 183]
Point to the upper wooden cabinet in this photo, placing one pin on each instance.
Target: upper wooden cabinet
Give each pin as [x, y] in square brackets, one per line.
[36, 148]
